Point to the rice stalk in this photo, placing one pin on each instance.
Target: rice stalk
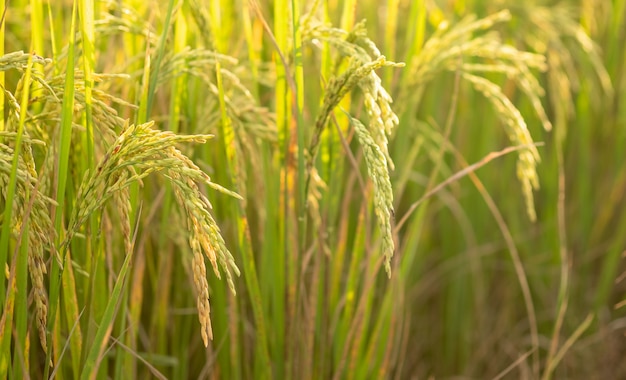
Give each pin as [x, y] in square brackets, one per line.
[518, 134]
[555, 30]
[364, 58]
[337, 88]
[457, 47]
[138, 152]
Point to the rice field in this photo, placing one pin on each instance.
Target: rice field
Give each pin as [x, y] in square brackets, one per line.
[339, 189]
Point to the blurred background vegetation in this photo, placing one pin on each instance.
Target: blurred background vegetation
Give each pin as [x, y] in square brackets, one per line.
[506, 161]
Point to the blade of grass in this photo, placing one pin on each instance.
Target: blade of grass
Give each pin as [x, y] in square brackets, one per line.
[252, 282]
[391, 27]
[72, 318]
[20, 352]
[86, 12]
[348, 14]
[3, 8]
[6, 322]
[98, 345]
[157, 62]
[564, 262]
[282, 292]
[61, 178]
[342, 331]
[301, 202]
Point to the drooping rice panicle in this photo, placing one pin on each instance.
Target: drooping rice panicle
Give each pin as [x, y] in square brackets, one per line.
[383, 193]
[364, 59]
[138, 152]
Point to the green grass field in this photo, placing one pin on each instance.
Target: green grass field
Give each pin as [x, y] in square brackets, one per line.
[339, 189]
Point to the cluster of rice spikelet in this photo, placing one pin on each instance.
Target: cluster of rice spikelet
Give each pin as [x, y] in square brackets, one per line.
[557, 32]
[383, 193]
[29, 197]
[518, 133]
[138, 152]
[40, 226]
[364, 58]
[458, 48]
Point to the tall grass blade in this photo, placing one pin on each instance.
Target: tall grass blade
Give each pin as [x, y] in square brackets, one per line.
[89, 370]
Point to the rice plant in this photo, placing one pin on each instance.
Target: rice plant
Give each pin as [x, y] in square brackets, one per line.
[396, 189]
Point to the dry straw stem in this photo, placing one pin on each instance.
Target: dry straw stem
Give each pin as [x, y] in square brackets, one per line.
[137, 152]
[457, 48]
